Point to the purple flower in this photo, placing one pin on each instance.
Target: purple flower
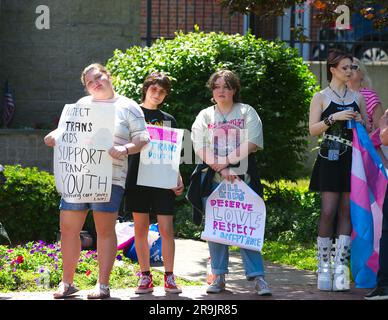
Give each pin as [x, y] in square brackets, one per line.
[32, 251]
[10, 250]
[119, 257]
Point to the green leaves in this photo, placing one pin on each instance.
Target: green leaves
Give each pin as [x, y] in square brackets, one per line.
[29, 204]
[274, 80]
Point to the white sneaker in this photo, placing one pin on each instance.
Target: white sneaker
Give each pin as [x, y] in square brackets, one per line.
[262, 287]
[217, 285]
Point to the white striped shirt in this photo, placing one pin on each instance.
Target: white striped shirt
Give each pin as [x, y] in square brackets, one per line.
[129, 123]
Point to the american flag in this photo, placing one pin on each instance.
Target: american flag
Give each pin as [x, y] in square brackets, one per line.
[8, 105]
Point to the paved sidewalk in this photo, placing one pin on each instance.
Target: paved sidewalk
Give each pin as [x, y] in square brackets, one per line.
[190, 262]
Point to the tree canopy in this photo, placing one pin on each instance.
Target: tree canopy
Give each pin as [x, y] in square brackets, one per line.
[376, 11]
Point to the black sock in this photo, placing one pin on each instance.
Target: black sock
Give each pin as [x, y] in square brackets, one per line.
[146, 273]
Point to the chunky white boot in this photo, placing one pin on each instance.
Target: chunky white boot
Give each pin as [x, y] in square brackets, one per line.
[341, 278]
[324, 265]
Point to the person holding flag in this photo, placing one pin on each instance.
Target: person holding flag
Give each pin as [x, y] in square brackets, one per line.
[332, 112]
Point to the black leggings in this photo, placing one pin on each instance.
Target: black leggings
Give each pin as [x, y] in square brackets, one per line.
[335, 214]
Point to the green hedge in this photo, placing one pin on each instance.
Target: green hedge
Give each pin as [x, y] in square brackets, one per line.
[292, 211]
[274, 79]
[29, 205]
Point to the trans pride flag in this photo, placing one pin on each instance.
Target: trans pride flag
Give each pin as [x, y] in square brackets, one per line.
[368, 186]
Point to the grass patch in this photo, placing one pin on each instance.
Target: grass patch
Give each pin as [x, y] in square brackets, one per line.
[302, 257]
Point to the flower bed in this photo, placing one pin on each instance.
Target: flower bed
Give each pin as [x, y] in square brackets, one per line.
[37, 266]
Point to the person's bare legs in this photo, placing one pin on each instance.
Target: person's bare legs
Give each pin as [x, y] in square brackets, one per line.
[166, 230]
[71, 223]
[106, 243]
[142, 223]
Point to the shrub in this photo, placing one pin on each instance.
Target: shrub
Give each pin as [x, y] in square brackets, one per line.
[274, 80]
[292, 211]
[29, 204]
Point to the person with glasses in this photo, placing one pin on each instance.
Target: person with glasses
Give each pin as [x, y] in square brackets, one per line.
[331, 110]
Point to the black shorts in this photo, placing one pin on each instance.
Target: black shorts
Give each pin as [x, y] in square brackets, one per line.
[151, 200]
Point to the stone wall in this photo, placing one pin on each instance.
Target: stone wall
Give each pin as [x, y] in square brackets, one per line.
[25, 147]
[43, 66]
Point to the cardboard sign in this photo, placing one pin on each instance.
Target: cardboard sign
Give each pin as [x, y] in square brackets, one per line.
[82, 165]
[159, 160]
[235, 215]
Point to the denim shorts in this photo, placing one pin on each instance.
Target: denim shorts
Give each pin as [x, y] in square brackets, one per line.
[112, 206]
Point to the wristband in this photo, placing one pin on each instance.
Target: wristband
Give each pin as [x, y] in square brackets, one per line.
[126, 148]
[327, 122]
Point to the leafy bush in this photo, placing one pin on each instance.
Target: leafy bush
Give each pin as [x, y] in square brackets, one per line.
[274, 80]
[29, 204]
[292, 211]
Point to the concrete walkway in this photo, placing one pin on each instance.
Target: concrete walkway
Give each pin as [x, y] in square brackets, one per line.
[190, 262]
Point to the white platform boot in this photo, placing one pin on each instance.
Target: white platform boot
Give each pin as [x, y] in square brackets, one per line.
[324, 265]
[341, 278]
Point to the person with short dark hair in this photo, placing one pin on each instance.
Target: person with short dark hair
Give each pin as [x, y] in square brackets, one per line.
[331, 111]
[144, 201]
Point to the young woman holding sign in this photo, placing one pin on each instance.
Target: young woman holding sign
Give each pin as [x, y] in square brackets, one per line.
[130, 135]
[143, 201]
[225, 136]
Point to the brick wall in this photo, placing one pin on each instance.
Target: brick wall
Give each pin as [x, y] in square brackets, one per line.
[171, 15]
[25, 147]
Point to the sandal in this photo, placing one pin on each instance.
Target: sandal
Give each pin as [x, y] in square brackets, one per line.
[101, 291]
[65, 290]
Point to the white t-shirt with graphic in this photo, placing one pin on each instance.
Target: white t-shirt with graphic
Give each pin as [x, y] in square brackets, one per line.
[224, 133]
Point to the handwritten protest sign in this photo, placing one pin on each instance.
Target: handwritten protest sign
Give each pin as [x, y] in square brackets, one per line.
[235, 215]
[159, 160]
[82, 165]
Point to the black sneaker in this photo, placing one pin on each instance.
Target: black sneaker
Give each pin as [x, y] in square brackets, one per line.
[379, 293]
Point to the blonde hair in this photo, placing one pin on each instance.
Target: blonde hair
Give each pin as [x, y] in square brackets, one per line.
[366, 82]
[97, 66]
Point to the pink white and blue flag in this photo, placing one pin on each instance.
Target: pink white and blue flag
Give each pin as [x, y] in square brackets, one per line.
[368, 186]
